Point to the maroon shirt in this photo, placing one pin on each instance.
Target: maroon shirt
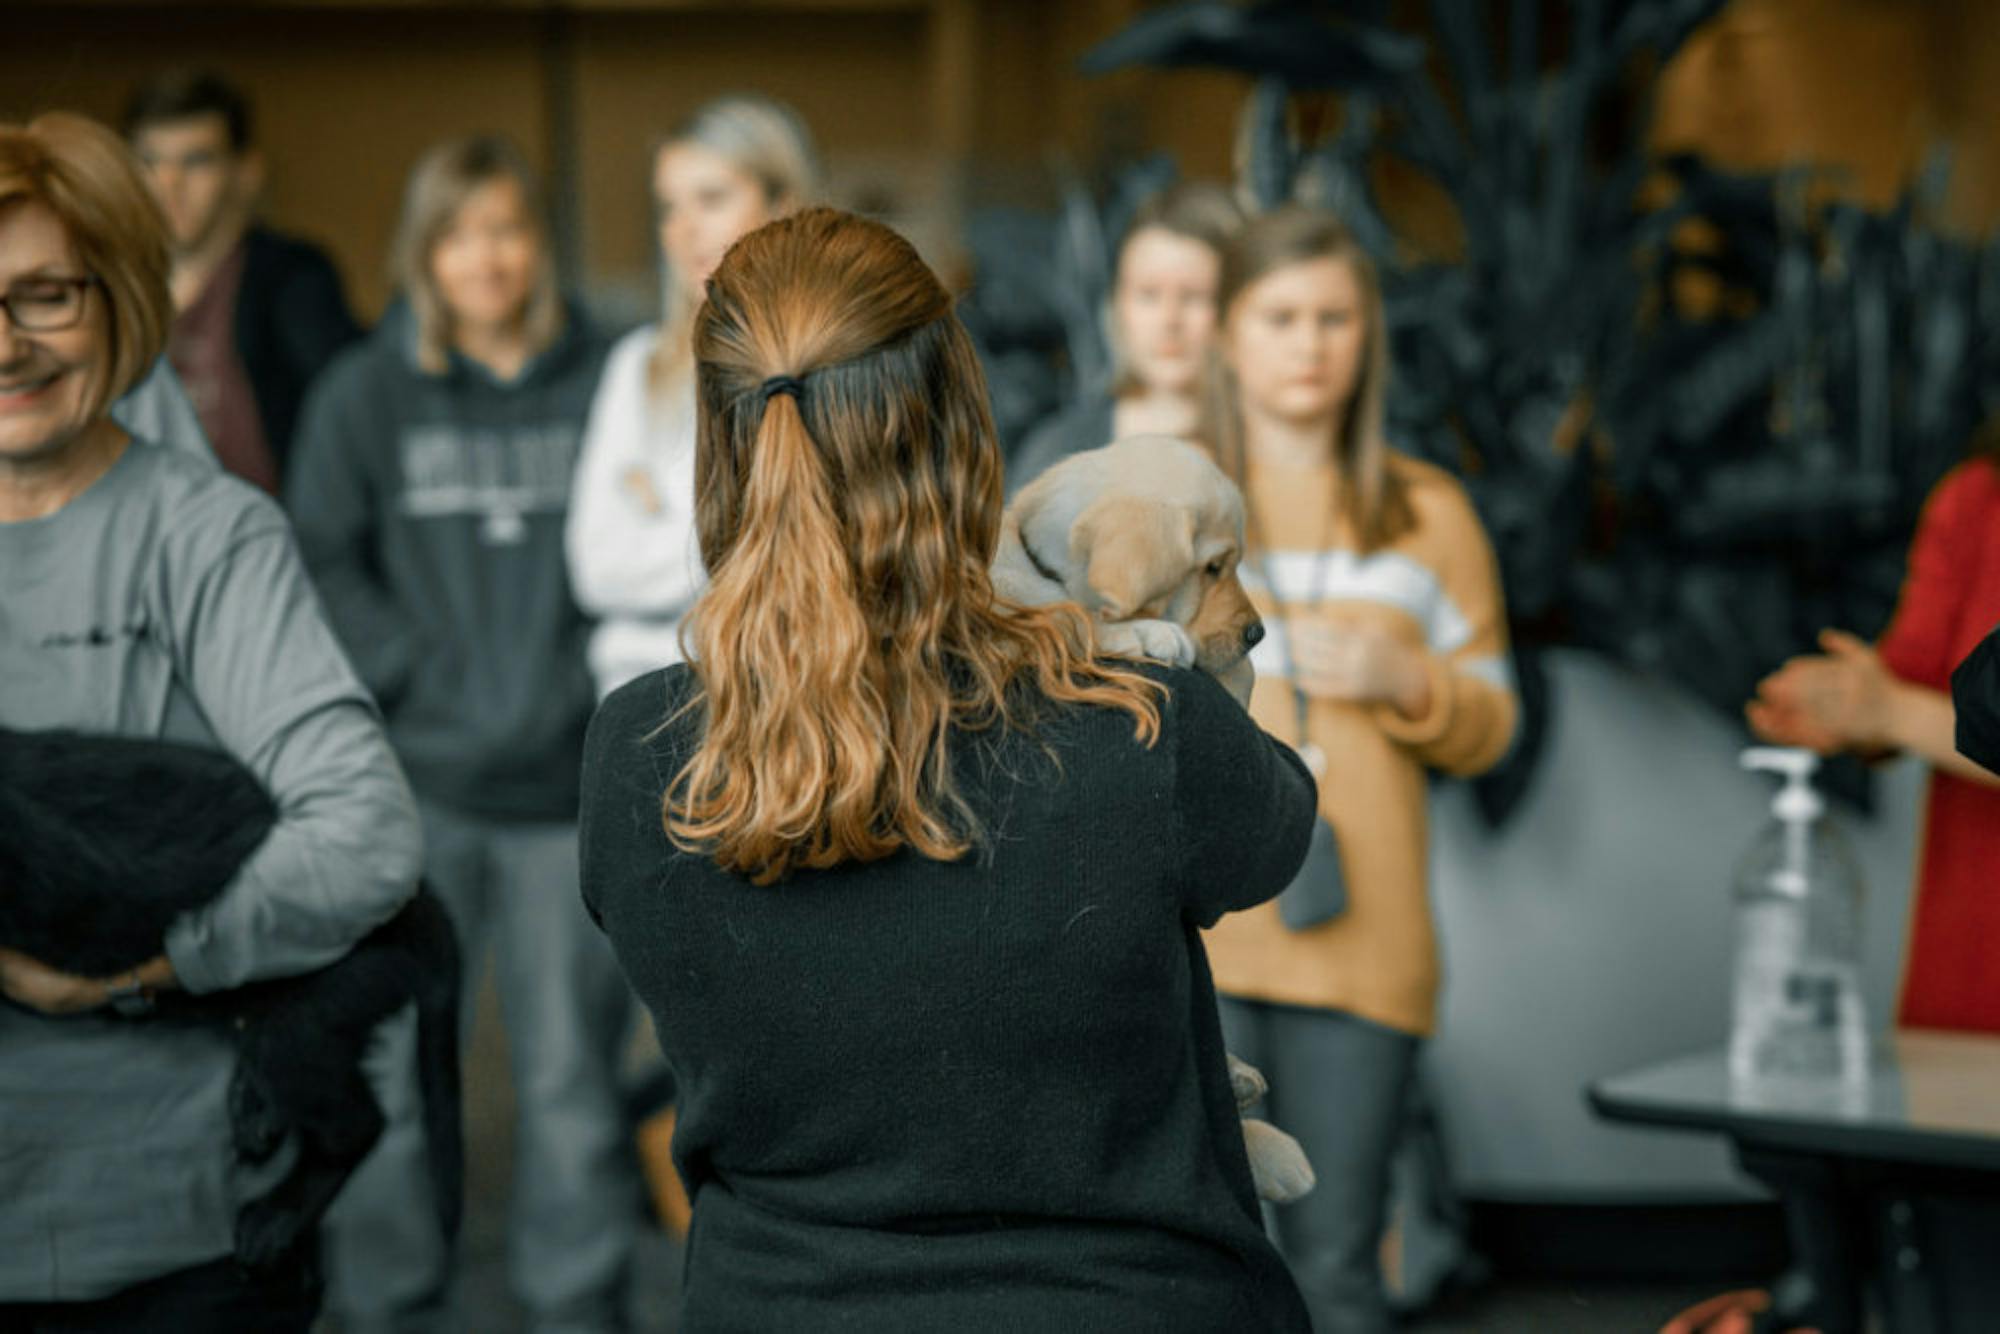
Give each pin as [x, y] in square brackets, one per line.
[202, 347]
[1951, 598]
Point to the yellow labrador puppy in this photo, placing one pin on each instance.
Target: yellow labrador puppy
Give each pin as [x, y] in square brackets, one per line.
[1146, 534]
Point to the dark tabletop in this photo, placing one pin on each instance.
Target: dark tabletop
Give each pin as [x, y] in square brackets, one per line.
[1931, 1098]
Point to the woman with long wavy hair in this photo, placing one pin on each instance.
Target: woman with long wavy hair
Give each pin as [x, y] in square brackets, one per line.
[911, 884]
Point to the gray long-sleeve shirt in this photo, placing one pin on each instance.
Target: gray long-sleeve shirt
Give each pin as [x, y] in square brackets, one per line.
[168, 600]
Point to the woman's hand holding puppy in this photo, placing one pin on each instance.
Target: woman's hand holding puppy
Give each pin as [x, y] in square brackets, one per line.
[1360, 664]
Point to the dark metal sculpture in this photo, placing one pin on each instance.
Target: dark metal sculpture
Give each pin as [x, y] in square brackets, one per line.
[1694, 492]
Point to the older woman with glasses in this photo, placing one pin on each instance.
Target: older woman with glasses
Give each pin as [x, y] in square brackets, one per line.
[148, 594]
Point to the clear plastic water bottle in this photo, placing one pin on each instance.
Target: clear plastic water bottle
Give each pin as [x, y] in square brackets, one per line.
[1798, 1027]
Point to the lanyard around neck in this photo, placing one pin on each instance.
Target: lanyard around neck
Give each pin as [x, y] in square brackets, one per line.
[1322, 568]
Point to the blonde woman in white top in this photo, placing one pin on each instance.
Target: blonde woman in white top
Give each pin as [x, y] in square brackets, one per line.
[735, 164]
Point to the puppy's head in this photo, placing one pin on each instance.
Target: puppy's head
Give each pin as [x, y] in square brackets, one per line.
[1158, 535]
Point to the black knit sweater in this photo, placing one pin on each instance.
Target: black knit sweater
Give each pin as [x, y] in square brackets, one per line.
[982, 1095]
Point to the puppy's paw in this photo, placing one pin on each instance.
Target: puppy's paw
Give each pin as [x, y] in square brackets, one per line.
[1162, 641]
[1245, 1081]
[1277, 1163]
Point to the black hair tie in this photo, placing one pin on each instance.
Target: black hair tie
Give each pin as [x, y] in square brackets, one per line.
[780, 384]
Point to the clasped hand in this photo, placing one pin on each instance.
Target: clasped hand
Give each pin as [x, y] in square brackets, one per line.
[1359, 664]
[1831, 701]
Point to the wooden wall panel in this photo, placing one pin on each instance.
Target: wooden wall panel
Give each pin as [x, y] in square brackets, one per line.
[919, 104]
[1865, 87]
[344, 102]
[855, 78]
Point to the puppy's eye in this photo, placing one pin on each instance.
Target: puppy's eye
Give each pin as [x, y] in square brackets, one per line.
[1218, 567]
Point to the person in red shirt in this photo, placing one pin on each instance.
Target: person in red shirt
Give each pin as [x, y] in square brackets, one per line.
[1896, 695]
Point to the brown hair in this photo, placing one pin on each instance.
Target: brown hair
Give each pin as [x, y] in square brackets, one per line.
[86, 176]
[1193, 210]
[1372, 497]
[184, 94]
[766, 141]
[848, 520]
[443, 179]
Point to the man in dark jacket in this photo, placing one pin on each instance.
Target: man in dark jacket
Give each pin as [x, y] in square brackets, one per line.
[257, 314]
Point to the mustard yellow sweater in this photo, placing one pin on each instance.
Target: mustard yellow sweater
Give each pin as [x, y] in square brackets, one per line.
[1437, 589]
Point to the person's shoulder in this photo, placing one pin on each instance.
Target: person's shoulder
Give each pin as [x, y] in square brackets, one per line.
[1083, 424]
[1184, 696]
[368, 364]
[648, 712]
[1438, 500]
[1188, 694]
[282, 250]
[1970, 491]
[204, 508]
[626, 360]
[633, 347]
[1425, 479]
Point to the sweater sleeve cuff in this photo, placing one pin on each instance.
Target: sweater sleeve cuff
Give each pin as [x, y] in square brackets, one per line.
[1434, 721]
[191, 966]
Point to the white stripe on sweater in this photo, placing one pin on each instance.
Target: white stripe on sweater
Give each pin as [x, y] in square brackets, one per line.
[1386, 578]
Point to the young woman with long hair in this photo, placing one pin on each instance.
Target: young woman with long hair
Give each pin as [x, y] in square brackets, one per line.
[1384, 659]
[1161, 317]
[732, 166]
[911, 884]
[429, 492]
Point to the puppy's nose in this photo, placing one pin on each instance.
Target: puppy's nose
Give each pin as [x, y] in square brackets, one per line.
[1253, 635]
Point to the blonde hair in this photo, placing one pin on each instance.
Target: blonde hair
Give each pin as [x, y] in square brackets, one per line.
[443, 179]
[1372, 497]
[848, 513]
[87, 177]
[1192, 210]
[766, 141]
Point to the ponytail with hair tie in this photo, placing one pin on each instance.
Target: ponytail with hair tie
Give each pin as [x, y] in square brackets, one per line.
[849, 627]
[781, 384]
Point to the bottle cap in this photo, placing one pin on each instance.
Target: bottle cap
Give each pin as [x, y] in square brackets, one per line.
[1796, 801]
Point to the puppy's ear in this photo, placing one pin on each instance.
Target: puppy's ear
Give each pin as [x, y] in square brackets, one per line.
[1044, 512]
[1132, 551]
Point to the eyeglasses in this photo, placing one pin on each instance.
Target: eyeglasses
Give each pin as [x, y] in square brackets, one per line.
[46, 305]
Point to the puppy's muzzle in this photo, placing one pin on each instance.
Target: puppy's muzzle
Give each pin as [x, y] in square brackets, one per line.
[1253, 635]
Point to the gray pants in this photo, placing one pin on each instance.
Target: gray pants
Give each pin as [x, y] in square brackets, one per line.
[575, 1198]
[1338, 1085]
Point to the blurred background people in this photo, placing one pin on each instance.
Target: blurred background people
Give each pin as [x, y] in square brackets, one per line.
[1386, 659]
[430, 489]
[933, 1078]
[1161, 317]
[729, 168]
[145, 593]
[1895, 695]
[258, 313]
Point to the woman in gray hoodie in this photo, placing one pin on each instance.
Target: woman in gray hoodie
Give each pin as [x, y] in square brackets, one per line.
[430, 490]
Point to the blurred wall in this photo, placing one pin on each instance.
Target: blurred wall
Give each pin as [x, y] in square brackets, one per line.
[923, 107]
[1867, 87]
[919, 104]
